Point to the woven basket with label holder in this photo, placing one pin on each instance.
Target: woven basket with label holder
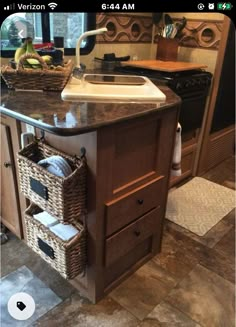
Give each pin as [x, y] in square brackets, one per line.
[67, 257]
[62, 197]
[42, 78]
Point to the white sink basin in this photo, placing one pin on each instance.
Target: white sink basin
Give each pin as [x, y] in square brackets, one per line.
[112, 87]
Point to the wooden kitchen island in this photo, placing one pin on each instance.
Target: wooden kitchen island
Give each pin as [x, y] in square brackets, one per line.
[129, 149]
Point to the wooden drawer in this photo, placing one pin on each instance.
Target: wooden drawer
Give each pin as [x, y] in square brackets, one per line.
[129, 237]
[125, 209]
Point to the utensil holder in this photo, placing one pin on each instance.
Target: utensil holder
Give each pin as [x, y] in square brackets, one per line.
[167, 49]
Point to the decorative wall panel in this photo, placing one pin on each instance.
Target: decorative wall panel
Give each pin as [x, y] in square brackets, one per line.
[137, 28]
[125, 28]
[201, 34]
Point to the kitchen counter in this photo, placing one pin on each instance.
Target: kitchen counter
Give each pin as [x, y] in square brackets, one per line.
[47, 111]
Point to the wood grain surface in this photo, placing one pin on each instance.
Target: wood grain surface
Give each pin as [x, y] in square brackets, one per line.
[165, 66]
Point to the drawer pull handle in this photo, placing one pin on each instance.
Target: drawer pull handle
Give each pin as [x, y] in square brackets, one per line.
[137, 232]
[140, 201]
[7, 164]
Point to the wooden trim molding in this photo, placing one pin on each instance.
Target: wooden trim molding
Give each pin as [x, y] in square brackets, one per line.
[202, 154]
[220, 146]
[137, 28]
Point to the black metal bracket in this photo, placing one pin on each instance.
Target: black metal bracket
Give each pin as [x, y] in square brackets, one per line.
[42, 132]
[82, 152]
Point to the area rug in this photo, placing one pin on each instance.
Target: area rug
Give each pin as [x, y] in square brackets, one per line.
[23, 280]
[199, 204]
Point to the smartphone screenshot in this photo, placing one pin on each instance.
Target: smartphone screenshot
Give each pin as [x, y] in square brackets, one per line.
[117, 164]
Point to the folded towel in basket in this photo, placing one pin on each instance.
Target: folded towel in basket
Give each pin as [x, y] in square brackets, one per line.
[176, 162]
[65, 232]
[46, 219]
[56, 165]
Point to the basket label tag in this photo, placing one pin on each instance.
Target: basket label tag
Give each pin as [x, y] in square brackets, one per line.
[47, 249]
[39, 188]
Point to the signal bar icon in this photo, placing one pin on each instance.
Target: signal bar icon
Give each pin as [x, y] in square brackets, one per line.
[52, 5]
[10, 7]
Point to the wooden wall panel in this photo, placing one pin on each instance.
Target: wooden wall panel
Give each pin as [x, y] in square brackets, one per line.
[138, 28]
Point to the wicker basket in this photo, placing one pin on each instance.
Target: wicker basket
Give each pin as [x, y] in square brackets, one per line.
[36, 79]
[68, 258]
[62, 197]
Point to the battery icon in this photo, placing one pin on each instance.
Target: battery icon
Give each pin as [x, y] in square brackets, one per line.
[224, 6]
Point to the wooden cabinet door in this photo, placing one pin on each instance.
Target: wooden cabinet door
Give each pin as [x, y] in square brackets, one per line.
[10, 213]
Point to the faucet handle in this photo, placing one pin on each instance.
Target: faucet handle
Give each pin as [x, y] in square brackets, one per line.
[78, 71]
[82, 67]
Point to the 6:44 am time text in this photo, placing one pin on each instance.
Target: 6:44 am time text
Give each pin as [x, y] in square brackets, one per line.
[117, 6]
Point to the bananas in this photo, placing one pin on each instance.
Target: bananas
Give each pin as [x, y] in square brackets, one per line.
[30, 48]
[33, 61]
[47, 59]
[27, 48]
[19, 52]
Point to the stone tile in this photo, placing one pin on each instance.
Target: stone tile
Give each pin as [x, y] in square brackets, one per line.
[154, 323]
[230, 218]
[218, 262]
[23, 280]
[181, 241]
[15, 253]
[164, 313]
[76, 311]
[212, 259]
[209, 239]
[165, 276]
[150, 323]
[227, 244]
[205, 297]
[173, 260]
[141, 292]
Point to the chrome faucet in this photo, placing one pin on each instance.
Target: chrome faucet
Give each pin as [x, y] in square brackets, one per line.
[79, 69]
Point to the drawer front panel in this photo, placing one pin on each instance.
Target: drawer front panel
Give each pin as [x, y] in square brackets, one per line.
[124, 210]
[129, 237]
[124, 264]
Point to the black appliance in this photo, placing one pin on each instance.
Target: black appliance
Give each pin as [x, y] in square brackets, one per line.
[192, 86]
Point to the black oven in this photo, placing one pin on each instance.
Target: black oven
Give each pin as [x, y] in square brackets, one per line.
[192, 86]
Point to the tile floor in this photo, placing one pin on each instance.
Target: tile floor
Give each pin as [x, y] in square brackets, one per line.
[190, 283]
[23, 280]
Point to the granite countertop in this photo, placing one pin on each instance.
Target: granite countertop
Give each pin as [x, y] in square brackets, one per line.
[47, 111]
